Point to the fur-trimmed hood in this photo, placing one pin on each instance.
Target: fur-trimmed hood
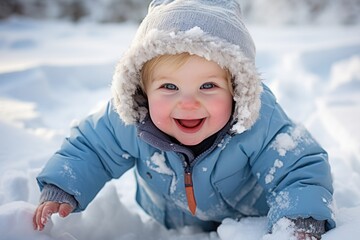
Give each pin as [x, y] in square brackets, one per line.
[212, 29]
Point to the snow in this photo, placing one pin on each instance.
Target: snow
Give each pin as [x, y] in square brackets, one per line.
[157, 163]
[270, 176]
[53, 73]
[289, 141]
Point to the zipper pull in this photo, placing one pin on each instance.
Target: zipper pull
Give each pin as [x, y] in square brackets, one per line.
[190, 192]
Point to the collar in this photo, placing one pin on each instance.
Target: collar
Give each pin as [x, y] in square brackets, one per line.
[148, 132]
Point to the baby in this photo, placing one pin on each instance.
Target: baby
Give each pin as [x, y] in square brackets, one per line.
[206, 138]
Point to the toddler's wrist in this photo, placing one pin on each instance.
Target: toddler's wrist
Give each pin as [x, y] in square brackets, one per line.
[54, 194]
[309, 228]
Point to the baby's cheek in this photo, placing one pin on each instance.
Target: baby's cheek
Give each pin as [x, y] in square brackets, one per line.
[158, 110]
[220, 107]
[220, 113]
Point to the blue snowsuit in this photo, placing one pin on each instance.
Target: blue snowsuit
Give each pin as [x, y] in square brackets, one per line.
[275, 168]
[261, 163]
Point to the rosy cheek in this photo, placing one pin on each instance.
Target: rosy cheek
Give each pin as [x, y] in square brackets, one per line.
[158, 110]
[220, 106]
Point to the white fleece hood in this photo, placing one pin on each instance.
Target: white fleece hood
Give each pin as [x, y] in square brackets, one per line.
[212, 29]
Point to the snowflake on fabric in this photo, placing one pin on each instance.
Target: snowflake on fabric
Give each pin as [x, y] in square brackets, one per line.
[290, 141]
[157, 162]
[270, 176]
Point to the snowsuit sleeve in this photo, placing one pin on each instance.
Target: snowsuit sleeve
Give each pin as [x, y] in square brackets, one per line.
[99, 149]
[291, 166]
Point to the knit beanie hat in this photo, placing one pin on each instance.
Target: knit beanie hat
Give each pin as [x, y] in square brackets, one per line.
[212, 29]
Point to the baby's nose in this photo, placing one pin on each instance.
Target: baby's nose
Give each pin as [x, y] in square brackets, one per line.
[189, 103]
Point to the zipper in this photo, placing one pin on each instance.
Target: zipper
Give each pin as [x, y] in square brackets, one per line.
[189, 189]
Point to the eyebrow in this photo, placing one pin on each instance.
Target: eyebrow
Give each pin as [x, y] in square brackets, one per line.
[161, 78]
[217, 76]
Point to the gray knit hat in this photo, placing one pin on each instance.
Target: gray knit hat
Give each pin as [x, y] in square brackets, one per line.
[212, 29]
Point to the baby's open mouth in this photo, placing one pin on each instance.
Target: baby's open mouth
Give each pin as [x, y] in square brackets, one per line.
[190, 123]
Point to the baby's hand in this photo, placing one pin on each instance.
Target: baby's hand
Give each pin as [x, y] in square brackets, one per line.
[305, 236]
[44, 211]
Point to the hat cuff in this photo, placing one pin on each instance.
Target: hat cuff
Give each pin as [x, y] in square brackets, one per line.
[127, 77]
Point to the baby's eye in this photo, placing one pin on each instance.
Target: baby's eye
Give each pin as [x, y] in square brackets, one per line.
[207, 86]
[169, 86]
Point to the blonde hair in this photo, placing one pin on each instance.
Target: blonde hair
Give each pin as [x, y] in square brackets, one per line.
[174, 62]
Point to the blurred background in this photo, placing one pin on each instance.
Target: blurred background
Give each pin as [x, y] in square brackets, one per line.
[275, 12]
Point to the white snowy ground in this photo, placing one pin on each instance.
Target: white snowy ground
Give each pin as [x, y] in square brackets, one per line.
[52, 73]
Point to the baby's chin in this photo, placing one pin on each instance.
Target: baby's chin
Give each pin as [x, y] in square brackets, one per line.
[190, 144]
[191, 141]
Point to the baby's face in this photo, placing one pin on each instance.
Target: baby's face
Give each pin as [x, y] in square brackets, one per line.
[192, 102]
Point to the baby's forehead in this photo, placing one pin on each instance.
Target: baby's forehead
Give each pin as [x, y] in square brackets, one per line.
[189, 64]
